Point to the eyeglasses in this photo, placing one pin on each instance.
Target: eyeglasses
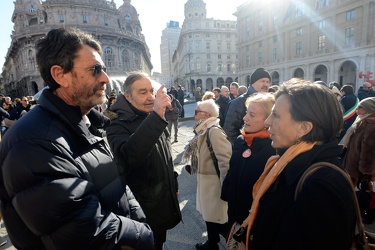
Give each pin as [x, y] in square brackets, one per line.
[197, 111]
[97, 69]
[24, 100]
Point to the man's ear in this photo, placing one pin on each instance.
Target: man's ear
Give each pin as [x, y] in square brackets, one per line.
[57, 73]
[127, 96]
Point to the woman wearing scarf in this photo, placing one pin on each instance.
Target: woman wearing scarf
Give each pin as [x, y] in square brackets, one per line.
[209, 204]
[304, 124]
[359, 159]
[250, 153]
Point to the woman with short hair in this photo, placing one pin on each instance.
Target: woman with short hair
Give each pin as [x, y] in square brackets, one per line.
[209, 178]
[304, 123]
[251, 151]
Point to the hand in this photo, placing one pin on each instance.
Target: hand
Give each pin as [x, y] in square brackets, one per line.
[162, 101]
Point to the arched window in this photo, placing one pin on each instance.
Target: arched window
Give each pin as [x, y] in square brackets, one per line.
[108, 57]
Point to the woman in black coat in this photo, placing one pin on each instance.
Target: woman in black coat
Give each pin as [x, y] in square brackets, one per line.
[303, 124]
[250, 153]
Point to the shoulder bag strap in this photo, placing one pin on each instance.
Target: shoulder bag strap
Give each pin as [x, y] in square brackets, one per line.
[362, 238]
[213, 156]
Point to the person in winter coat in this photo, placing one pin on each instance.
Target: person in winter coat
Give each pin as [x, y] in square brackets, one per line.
[65, 191]
[139, 141]
[259, 82]
[171, 115]
[322, 215]
[359, 159]
[349, 103]
[209, 204]
[181, 98]
[250, 154]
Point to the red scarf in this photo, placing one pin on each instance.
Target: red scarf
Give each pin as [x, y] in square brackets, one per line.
[250, 137]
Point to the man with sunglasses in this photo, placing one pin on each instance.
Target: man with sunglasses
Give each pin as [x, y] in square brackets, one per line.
[365, 91]
[59, 185]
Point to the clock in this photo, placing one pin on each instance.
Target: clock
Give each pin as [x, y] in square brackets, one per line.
[32, 8]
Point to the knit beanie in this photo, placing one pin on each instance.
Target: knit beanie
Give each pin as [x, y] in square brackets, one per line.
[368, 104]
[259, 74]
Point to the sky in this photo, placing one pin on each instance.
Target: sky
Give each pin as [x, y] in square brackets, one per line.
[153, 14]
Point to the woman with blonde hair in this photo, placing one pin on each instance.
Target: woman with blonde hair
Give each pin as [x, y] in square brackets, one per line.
[209, 177]
[250, 153]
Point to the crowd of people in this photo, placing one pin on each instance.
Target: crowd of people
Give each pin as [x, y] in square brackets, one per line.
[251, 146]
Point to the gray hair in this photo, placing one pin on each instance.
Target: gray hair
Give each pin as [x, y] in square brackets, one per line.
[209, 106]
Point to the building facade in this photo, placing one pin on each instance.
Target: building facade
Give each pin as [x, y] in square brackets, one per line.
[169, 41]
[312, 39]
[206, 54]
[118, 30]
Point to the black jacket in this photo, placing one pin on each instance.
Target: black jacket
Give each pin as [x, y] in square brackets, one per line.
[143, 153]
[242, 175]
[322, 216]
[235, 113]
[60, 188]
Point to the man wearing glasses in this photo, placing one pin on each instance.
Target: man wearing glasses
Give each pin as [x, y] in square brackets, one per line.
[24, 106]
[59, 185]
[365, 91]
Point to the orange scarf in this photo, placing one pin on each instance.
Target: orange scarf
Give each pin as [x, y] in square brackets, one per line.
[273, 168]
[250, 137]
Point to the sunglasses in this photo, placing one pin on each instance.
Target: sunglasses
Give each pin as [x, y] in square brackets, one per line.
[197, 111]
[97, 69]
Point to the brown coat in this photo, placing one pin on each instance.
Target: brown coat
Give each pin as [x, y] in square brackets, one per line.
[359, 158]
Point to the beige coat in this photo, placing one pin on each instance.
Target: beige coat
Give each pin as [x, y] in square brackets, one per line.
[209, 204]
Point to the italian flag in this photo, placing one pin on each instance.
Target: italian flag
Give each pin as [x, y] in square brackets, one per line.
[350, 112]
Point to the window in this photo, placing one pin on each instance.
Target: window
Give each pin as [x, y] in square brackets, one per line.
[108, 51]
[275, 21]
[299, 31]
[322, 3]
[198, 46]
[219, 67]
[228, 56]
[299, 10]
[274, 54]
[207, 24]
[260, 25]
[228, 35]
[208, 67]
[106, 21]
[228, 46]
[298, 48]
[321, 24]
[219, 56]
[62, 19]
[260, 57]
[349, 35]
[84, 19]
[350, 15]
[247, 31]
[219, 46]
[228, 67]
[208, 56]
[208, 46]
[321, 42]
[207, 34]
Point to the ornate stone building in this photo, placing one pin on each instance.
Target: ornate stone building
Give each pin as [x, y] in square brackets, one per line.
[118, 30]
[328, 40]
[206, 54]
